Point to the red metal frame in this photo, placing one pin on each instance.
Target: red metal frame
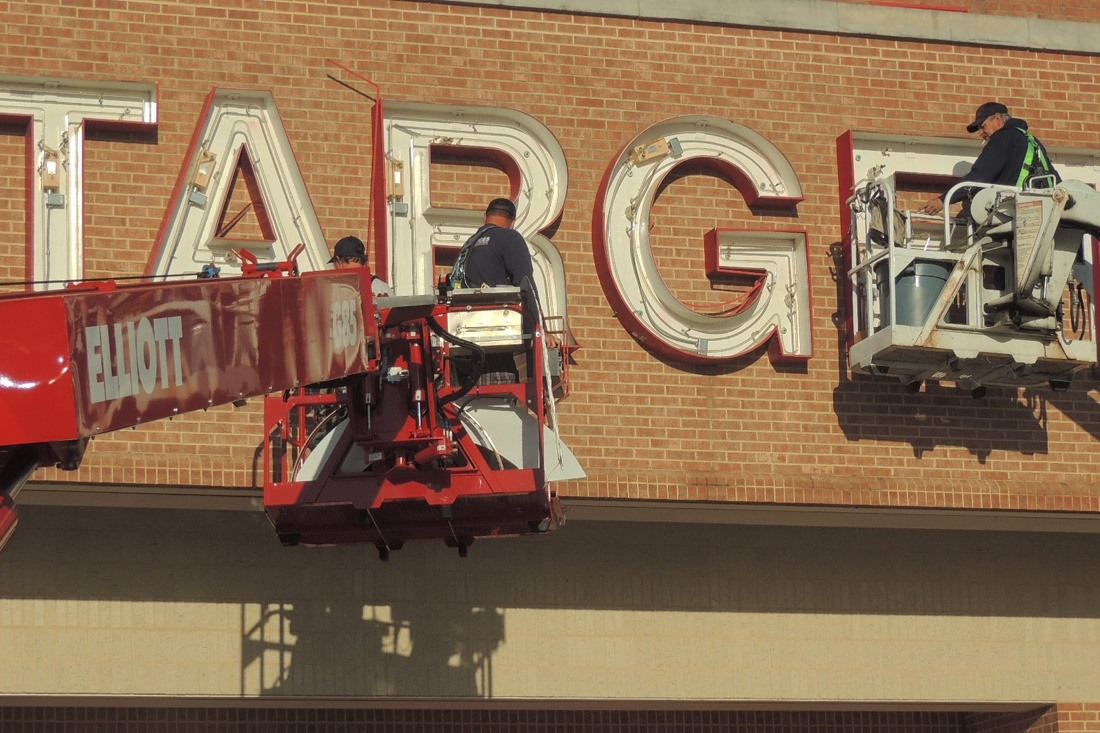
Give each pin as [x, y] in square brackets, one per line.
[101, 356]
[558, 333]
[94, 358]
[425, 475]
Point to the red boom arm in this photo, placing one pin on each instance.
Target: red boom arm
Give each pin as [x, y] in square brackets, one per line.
[379, 435]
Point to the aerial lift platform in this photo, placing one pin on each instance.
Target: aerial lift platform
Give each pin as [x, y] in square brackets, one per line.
[377, 426]
[1000, 294]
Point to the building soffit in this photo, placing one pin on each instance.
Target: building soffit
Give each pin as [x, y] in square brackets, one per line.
[839, 18]
[585, 509]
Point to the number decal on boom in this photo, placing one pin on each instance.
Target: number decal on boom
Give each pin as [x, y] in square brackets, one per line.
[345, 324]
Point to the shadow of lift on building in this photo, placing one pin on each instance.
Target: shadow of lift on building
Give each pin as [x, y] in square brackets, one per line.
[876, 407]
[334, 622]
[348, 648]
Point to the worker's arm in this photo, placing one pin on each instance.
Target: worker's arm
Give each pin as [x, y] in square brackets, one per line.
[517, 260]
[521, 272]
[989, 165]
[986, 169]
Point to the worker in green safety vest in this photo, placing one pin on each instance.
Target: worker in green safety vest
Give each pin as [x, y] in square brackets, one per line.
[1011, 156]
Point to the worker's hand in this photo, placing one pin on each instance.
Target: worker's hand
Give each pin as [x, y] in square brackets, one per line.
[934, 205]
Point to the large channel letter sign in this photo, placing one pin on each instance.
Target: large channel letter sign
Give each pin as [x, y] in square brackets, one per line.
[55, 114]
[779, 308]
[239, 144]
[523, 147]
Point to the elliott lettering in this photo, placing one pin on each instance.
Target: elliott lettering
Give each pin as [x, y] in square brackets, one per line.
[133, 357]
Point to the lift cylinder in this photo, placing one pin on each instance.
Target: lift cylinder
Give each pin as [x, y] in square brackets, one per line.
[916, 288]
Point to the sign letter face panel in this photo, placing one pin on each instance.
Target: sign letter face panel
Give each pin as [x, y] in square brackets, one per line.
[56, 113]
[239, 144]
[780, 307]
[528, 152]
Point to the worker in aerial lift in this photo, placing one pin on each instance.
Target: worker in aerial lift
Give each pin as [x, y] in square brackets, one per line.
[350, 252]
[1011, 155]
[496, 254]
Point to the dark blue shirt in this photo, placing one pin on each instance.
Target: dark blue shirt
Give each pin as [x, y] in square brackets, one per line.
[1002, 158]
[499, 256]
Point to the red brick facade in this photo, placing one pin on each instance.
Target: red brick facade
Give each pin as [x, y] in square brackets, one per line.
[337, 720]
[643, 428]
[750, 431]
[746, 432]
[1056, 719]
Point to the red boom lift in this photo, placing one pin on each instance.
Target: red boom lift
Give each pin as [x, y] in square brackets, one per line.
[377, 427]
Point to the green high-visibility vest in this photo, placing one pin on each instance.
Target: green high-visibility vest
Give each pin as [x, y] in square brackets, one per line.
[1030, 168]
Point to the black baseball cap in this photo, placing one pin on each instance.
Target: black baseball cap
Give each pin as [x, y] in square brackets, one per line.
[349, 248]
[501, 206]
[984, 112]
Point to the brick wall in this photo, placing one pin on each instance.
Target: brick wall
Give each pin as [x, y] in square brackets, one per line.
[1060, 718]
[1084, 718]
[747, 431]
[12, 234]
[339, 720]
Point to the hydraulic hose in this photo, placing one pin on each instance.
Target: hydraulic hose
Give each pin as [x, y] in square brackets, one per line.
[479, 360]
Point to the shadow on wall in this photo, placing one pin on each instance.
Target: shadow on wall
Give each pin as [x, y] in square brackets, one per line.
[392, 649]
[337, 621]
[882, 408]
[874, 407]
[1081, 406]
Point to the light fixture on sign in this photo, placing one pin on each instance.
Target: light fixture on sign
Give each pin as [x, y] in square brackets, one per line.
[50, 169]
[204, 169]
[655, 149]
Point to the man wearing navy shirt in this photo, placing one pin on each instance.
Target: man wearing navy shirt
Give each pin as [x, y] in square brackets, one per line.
[1010, 157]
[496, 254]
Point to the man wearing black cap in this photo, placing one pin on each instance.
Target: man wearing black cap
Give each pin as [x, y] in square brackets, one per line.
[496, 254]
[1011, 155]
[350, 252]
